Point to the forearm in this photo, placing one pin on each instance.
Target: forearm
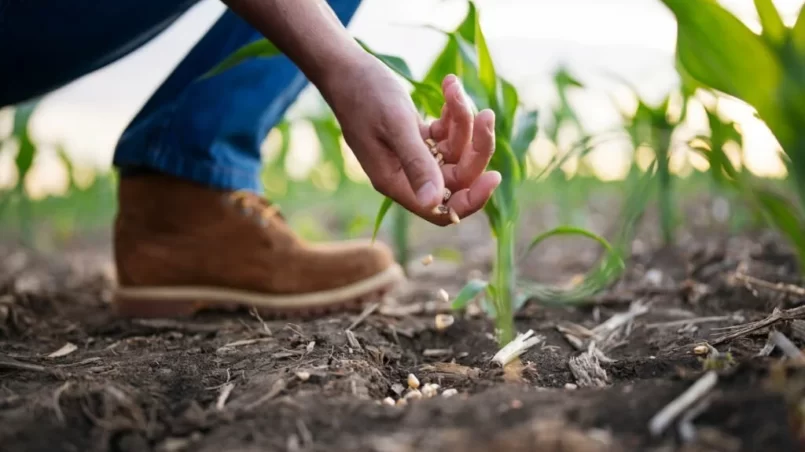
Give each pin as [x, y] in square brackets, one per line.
[306, 31]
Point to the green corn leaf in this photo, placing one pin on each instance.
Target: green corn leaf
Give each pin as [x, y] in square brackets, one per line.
[486, 68]
[468, 293]
[329, 135]
[27, 149]
[719, 51]
[525, 132]
[384, 208]
[798, 34]
[397, 64]
[571, 230]
[773, 28]
[785, 216]
[68, 166]
[612, 264]
[467, 29]
[257, 49]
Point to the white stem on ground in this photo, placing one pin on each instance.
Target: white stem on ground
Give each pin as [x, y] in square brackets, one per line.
[660, 422]
[517, 347]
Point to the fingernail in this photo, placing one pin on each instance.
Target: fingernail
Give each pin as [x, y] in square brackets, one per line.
[427, 194]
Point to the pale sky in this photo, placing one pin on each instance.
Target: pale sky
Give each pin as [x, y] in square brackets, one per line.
[528, 38]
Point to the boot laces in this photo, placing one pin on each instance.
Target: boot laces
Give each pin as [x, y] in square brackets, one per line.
[251, 202]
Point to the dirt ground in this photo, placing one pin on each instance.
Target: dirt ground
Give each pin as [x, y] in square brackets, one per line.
[238, 383]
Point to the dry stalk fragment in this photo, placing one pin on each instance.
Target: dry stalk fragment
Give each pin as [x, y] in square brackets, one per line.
[660, 422]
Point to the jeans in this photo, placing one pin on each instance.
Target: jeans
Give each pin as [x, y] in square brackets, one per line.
[208, 131]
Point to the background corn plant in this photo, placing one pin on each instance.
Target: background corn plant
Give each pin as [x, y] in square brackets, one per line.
[715, 50]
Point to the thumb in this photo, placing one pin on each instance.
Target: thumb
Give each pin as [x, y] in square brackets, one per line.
[421, 169]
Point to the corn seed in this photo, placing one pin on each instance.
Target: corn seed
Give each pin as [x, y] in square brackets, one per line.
[389, 401]
[701, 350]
[447, 194]
[402, 402]
[441, 209]
[413, 381]
[439, 158]
[443, 295]
[454, 216]
[413, 394]
[430, 390]
[302, 375]
[443, 321]
[427, 260]
[449, 392]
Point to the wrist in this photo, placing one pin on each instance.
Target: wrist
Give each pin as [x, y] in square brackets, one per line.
[346, 66]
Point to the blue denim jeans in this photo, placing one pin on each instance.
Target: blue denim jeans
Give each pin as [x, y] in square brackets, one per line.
[208, 131]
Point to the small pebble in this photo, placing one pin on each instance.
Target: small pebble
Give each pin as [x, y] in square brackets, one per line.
[413, 381]
[571, 386]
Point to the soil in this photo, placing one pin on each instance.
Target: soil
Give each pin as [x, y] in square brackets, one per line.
[161, 385]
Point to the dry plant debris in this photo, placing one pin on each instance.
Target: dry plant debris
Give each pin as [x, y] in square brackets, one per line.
[776, 316]
[660, 422]
[587, 370]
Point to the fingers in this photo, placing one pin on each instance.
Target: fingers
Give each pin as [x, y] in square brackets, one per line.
[476, 157]
[420, 168]
[460, 121]
[470, 200]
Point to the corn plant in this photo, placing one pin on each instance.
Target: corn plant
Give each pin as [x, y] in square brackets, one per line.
[467, 56]
[26, 151]
[563, 114]
[715, 50]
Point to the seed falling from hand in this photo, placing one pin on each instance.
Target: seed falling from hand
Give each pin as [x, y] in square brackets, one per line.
[443, 295]
[454, 216]
[413, 381]
[427, 260]
[443, 321]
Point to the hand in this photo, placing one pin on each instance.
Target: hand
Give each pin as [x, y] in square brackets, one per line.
[387, 135]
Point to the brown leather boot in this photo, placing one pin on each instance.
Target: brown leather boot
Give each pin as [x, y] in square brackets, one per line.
[181, 247]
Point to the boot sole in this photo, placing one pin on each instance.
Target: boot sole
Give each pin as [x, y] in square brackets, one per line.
[151, 302]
